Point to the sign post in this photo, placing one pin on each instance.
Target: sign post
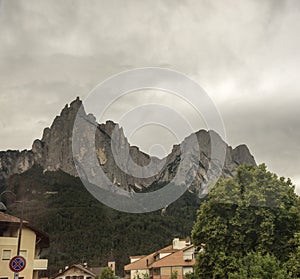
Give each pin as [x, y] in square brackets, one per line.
[16, 265]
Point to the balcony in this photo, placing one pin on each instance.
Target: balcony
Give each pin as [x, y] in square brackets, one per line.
[8, 241]
[40, 264]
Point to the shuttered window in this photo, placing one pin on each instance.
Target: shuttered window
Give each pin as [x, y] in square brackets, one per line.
[6, 254]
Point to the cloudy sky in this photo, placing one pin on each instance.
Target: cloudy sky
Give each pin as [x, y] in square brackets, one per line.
[245, 54]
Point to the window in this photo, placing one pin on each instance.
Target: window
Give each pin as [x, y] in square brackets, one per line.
[6, 254]
[177, 269]
[187, 270]
[156, 271]
[165, 271]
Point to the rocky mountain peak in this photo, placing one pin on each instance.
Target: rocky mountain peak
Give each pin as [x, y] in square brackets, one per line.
[54, 152]
[242, 155]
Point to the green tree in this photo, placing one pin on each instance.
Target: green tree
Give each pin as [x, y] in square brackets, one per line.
[144, 276]
[174, 274]
[107, 273]
[189, 275]
[293, 263]
[255, 211]
[255, 265]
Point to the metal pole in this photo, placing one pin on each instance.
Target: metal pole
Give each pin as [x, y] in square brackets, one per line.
[20, 229]
[20, 236]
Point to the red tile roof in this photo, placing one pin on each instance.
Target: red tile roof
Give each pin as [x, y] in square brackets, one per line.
[75, 266]
[6, 218]
[43, 238]
[168, 249]
[149, 259]
[141, 263]
[174, 259]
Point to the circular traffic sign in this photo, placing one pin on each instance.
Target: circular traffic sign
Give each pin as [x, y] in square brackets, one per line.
[17, 264]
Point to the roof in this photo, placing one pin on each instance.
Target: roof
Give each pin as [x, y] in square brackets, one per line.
[42, 238]
[187, 247]
[145, 261]
[174, 259]
[6, 218]
[168, 249]
[97, 270]
[141, 263]
[79, 266]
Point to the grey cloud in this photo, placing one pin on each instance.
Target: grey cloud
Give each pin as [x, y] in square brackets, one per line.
[244, 53]
[271, 130]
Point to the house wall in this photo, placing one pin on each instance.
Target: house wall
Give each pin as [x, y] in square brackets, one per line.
[188, 270]
[180, 244]
[166, 272]
[112, 266]
[27, 251]
[189, 254]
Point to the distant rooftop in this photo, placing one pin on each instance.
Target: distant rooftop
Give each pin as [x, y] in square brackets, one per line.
[6, 218]
[43, 238]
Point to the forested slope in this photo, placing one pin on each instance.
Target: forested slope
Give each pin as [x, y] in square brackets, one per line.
[81, 228]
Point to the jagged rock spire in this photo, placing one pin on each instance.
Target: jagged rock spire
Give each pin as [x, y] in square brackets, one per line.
[54, 152]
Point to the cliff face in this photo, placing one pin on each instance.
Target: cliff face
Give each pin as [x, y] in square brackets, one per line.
[54, 152]
[12, 162]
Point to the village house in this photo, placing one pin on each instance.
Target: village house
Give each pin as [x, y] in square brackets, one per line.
[177, 258]
[32, 243]
[76, 271]
[83, 271]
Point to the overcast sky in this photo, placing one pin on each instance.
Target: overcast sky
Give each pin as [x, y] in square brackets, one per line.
[245, 54]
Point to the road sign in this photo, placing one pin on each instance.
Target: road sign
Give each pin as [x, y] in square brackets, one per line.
[17, 264]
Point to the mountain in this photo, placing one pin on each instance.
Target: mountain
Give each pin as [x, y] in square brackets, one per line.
[79, 226]
[54, 152]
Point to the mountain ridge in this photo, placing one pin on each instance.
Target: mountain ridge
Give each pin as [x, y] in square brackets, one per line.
[54, 152]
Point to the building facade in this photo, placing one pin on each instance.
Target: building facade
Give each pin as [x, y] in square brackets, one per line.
[75, 271]
[32, 243]
[178, 258]
[83, 271]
